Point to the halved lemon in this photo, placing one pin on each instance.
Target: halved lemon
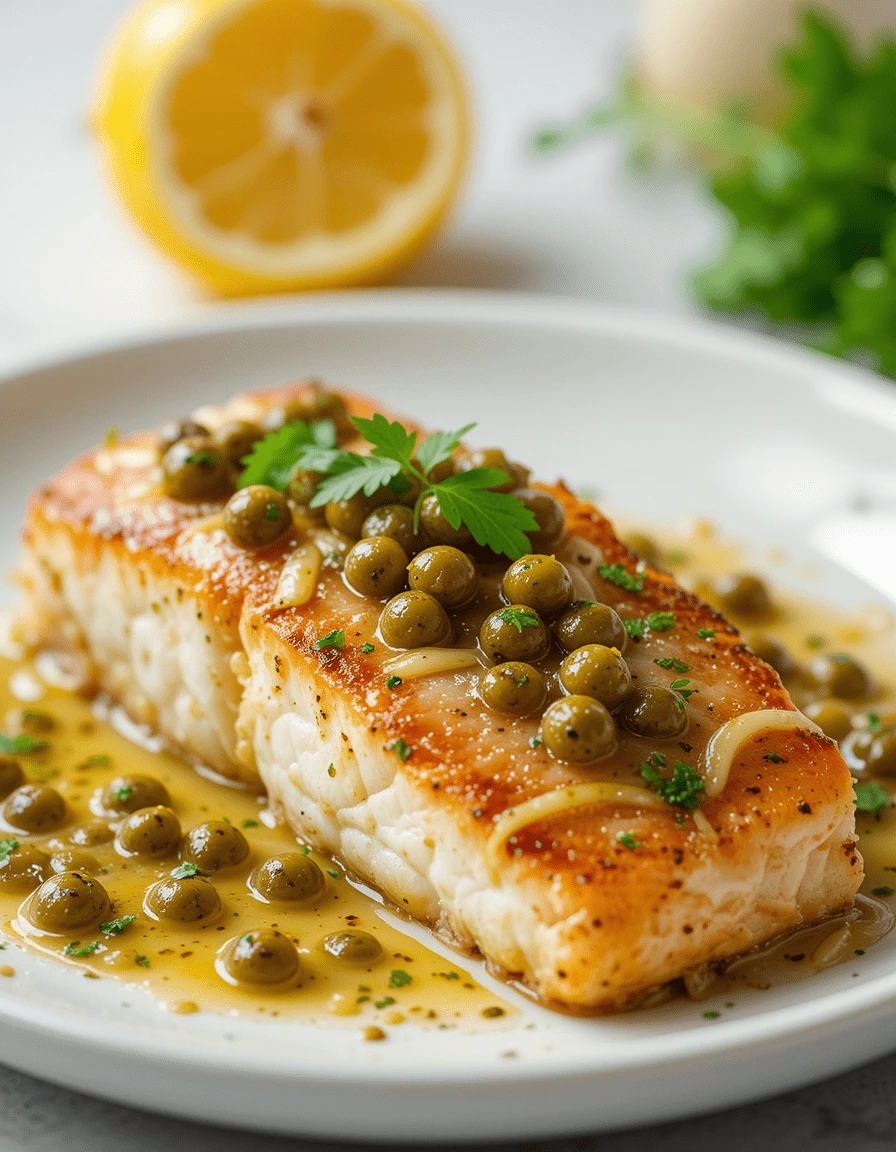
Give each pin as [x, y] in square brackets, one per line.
[269, 145]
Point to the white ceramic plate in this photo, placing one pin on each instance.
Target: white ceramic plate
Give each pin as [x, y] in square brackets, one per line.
[664, 419]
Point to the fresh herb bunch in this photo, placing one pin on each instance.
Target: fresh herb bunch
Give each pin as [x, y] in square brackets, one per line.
[812, 203]
[497, 520]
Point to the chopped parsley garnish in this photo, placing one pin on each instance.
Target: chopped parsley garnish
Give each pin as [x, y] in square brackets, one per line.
[367, 647]
[114, 927]
[673, 663]
[394, 681]
[143, 961]
[331, 872]
[99, 761]
[7, 847]
[73, 949]
[306, 850]
[401, 750]
[520, 618]
[870, 796]
[399, 979]
[635, 627]
[773, 758]
[815, 642]
[883, 890]
[661, 621]
[683, 691]
[535, 741]
[874, 722]
[274, 459]
[186, 871]
[706, 633]
[711, 1015]
[203, 459]
[23, 745]
[334, 639]
[621, 577]
[627, 840]
[681, 790]
[125, 792]
[250, 823]
[521, 680]
[385, 1002]
[272, 512]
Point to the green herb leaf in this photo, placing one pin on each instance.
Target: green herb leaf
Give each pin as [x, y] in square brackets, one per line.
[273, 460]
[440, 446]
[394, 681]
[185, 871]
[385, 1002]
[367, 648]
[661, 621]
[401, 750]
[683, 789]
[883, 890]
[621, 577]
[143, 961]
[250, 823]
[681, 688]
[399, 979]
[334, 639]
[7, 847]
[627, 840]
[773, 758]
[874, 722]
[635, 627]
[520, 618]
[390, 440]
[73, 949]
[114, 927]
[125, 792]
[870, 796]
[706, 633]
[23, 745]
[673, 663]
[497, 520]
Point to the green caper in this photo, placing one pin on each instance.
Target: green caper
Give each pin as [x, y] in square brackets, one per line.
[590, 623]
[445, 573]
[68, 902]
[550, 516]
[645, 547]
[91, 834]
[414, 620]
[74, 860]
[257, 516]
[186, 900]
[24, 867]
[236, 439]
[289, 877]
[176, 430]
[194, 470]
[34, 808]
[11, 774]
[301, 489]
[126, 794]
[839, 675]
[436, 528]
[597, 671]
[395, 521]
[518, 474]
[831, 717]
[348, 516]
[773, 652]
[579, 730]
[655, 712]
[539, 581]
[513, 687]
[514, 633]
[263, 956]
[353, 947]
[440, 471]
[317, 403]
[213, 845]
[881, 758]
[742, 594]
[376, 567]
[151, 831]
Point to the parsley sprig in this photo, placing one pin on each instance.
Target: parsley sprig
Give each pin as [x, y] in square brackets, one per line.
[274, 459]
[684, 787]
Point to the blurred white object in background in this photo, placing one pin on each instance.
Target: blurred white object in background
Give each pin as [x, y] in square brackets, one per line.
[715, 52]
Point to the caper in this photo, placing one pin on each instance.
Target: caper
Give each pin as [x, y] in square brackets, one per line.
[579, 730]
[236, 439]
[24, 867]
[32, 721]
[436, 527]
[213, 845]
[395, 521]
[590, 623]
[317, 403]
[742, 594]
[376, 567]
[839, 675]
[831, 717]
[550, 516]
[301, 489]
[153, 831]
[353, 947]
[655, 712]
[348, 516]
[645, 547]
[34, 808]
[11, 774]
[287, 877]
[514, 633]
[256, 516]
[414, 620]
[773, 652]
[186, 900]
[194, 470]
[92, 833]
[74, 860]
[539, 581]
[871, 750]
[68, 902]
[126, 794]
[513, 687]
[441, 471]
[597, 671]
[445, 573]
[176, 430]
[264, 956]
[518, 474]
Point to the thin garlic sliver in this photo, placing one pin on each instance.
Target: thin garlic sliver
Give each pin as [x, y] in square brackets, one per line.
[430, 662]
[723, 746]
[299, 577]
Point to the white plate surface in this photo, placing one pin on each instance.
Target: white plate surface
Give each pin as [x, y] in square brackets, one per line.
[664, 419]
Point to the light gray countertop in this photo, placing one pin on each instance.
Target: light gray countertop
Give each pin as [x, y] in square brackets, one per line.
[74, 272]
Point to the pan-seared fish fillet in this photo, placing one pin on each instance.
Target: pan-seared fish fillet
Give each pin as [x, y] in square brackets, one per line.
[178, 625]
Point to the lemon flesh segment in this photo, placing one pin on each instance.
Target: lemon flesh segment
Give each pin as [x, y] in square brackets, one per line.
[268, 144]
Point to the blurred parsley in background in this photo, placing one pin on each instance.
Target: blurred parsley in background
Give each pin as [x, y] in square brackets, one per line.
[812, 202]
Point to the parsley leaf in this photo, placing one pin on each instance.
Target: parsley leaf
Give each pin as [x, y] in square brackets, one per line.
[85, 950]
[706, 633]
[674, 663]
[350, 474]
[635, 627]
[273, 460]
[22, 745]
[334, 639]
[627, 840]
[367, 647]
[401, 750]
[621, 577]
[520, 618]
[497, 520]
[661, 621]
[681, 790]
[185, 871]
[114, 927]
[399, 979]
[394, 681]
[143, 961]
[883, 890]
[7, 847]
[870, 796]
[440, 446]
